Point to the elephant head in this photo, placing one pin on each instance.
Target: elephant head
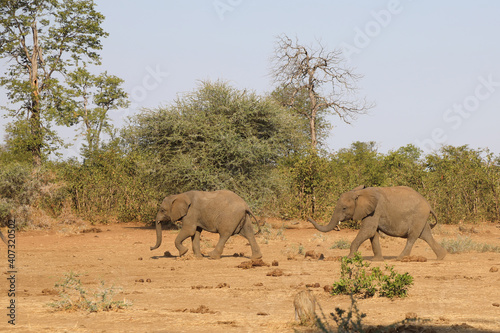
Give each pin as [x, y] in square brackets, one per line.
[352, 205]
[172, 209]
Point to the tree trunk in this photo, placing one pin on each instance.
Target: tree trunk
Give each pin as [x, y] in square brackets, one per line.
[35, 121]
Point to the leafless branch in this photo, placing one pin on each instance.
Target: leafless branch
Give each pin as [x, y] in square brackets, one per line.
[329, 83]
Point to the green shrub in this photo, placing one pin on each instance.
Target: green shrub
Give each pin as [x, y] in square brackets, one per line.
[394, 284]
[357, 279]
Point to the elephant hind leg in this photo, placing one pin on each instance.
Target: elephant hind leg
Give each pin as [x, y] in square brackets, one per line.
[427, 236]
[409, 245]
[217, 252]
[248, 233]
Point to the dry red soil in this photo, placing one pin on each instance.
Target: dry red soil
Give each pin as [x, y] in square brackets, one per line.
[171, 294]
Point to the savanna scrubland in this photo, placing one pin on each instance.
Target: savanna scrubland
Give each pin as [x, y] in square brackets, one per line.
[83, 226]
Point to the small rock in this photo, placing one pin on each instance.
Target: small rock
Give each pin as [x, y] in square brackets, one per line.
[140, 258]
[262, 314]
[496, 304]
[275, 263]
[168, 254]
[139, 280]
[259, 284]
[148, 280]
[494, 269]
[313, 285]
[328, 288]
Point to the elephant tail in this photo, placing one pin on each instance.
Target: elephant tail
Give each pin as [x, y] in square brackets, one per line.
[256, 221]
[435, 218]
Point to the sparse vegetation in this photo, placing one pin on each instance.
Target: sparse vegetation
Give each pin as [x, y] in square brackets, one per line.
[356, 278]
[341, 244]
[75, 297]
[351, 321]
[346, 321]
[463, 244]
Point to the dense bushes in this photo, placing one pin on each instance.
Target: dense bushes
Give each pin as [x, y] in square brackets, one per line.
[462, 184]
[221, 138]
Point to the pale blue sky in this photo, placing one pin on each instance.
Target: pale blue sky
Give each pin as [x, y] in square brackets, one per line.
[432, 68]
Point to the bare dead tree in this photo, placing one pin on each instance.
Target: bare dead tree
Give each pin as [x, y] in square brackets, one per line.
[321, 75]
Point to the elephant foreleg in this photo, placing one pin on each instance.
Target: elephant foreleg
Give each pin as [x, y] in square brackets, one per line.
[195, 240]
[368, 230]
[183, 234]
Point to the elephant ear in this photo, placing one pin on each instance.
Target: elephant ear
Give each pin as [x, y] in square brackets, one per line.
[365, 204]
[360, 187]
[180, 207]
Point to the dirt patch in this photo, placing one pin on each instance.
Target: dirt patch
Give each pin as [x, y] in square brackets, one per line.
[414, 259]
[172, 294]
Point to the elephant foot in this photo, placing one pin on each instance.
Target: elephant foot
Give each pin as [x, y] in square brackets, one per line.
[256, 256]
[182, 252]
[441, 256]
[198, 255]
[378, 258]
[214, 255]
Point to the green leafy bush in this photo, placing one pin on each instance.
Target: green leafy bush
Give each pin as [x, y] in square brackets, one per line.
[357, 279]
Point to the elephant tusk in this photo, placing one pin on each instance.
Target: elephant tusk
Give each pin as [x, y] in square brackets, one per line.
[338, 226]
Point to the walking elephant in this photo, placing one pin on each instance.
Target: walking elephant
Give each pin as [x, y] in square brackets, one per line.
[222, 212]
[396, 211]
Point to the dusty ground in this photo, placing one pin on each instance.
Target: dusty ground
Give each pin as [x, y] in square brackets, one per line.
[170, 294]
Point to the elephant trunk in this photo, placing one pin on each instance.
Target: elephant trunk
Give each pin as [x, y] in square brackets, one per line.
[325, 228]
[158, 235]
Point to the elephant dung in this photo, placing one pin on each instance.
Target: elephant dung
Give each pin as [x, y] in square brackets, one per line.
[252, 263]
[313, 255]
[276, 272]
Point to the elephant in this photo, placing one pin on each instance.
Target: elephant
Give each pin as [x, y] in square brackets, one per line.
[396, 211]
[222, 212]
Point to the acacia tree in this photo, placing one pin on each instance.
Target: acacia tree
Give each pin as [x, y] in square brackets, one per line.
[42, 40]
[214, 138]
[321, 77]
